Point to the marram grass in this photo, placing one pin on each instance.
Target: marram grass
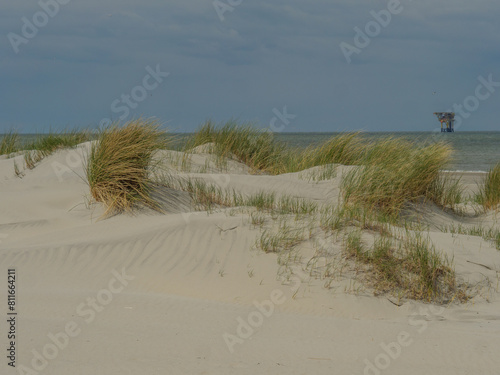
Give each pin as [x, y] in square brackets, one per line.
[257, 149]
[489, 194]
[9, 143]
[388, 174]
[347, 149]
[47, 144]
[395, 172]
[408, 268]
[391, 173]
[119, 163]
[263, 153]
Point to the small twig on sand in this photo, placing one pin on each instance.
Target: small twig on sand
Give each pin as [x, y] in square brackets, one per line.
[225, 230]
[395, 303]
[482, 265]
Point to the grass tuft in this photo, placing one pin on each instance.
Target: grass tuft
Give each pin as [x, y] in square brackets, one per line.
[344, 149]
[32, 158]
[410, 268]
[47, 144]
[489, 194]
[119, 162]
[258, 149]
[446, 191]
[10, 143]
[281, 240]
[395, 172]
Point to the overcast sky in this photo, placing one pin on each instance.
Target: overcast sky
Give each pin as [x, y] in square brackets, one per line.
[186, 61]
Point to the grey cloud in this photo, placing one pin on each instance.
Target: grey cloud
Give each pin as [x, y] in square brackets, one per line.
[264, 55]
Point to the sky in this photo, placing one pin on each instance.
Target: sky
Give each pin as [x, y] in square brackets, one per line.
[291, 66]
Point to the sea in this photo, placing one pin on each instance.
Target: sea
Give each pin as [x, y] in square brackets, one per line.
[473, 151]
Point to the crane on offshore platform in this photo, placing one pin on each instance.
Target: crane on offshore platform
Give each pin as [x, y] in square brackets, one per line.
[447, 120]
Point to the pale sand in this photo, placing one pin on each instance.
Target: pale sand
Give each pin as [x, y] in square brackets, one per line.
[191, 285]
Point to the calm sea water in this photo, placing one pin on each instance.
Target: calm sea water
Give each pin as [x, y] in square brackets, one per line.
[474, 151]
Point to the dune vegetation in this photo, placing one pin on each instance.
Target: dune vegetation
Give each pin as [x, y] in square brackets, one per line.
[489, 192]
[393, 171]
[42, 146]
[259, 150]
[264, 154]
[46, 144]
[390, 175]
[387, 178]
[119, 163]
[409, 267]
[9, 143]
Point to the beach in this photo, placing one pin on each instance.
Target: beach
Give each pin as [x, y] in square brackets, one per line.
[191, 291]
[234, 187]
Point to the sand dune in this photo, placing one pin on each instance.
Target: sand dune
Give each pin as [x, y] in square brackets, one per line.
[188, 292]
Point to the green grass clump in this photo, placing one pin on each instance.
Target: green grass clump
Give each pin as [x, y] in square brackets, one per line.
[10, 143]
[46, 144]
[49, 143]
[342, 216]
[258, 149]
[489, 193]
[433, 278]
[410, 268]
[354, 246]
[446, 191]
[119, 162]
[393, 173]
[262, 200]
[291, 205]
[208, 196]
[344, 149]
[282, 240]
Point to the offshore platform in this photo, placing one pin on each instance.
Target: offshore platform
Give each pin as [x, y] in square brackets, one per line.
[447, 120]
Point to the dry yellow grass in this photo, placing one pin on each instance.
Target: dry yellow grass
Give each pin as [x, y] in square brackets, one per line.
[119, 162]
